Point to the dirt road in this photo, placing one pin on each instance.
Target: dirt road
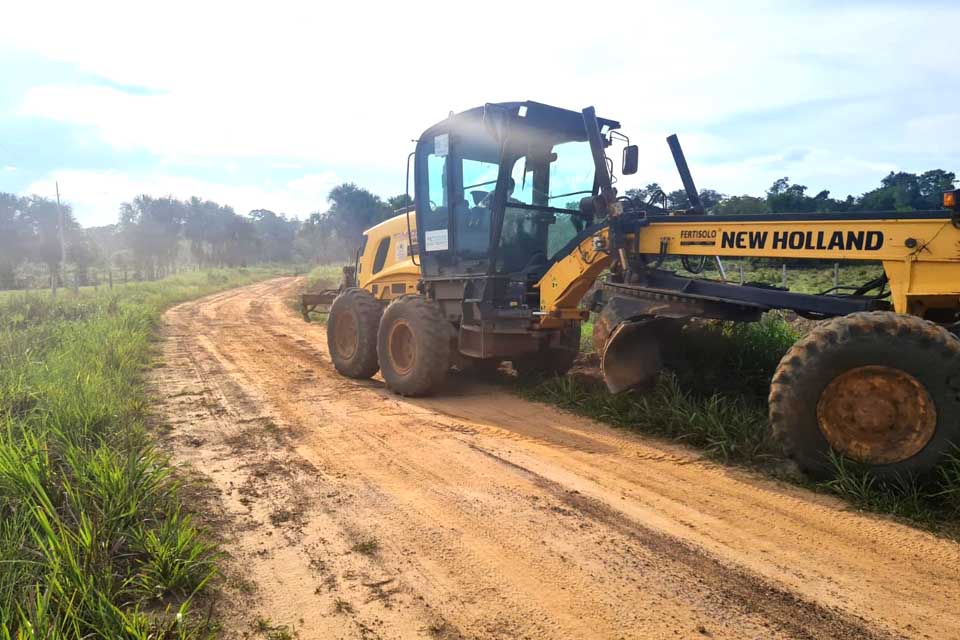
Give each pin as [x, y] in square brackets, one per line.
[352, 513]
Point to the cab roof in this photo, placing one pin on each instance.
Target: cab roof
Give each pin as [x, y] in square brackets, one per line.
[562, 124]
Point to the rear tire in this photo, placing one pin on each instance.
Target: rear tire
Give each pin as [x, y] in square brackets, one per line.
[413, 345]
[879, 388]
[552, 361]
[352, 333]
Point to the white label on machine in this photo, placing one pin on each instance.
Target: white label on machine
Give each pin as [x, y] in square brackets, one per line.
[436, 240]
[400, 246]
[441, 145]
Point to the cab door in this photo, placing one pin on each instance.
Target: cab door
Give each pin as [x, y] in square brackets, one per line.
[433, 196]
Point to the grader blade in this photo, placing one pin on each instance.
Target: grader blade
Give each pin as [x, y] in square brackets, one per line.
[629, 349]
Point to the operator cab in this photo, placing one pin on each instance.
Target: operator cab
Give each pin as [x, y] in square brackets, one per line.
[498, 191]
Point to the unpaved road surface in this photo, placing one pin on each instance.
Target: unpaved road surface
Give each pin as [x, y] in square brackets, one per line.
[352, 513]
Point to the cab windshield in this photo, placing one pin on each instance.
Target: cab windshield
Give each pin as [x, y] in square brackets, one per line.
[542, 213]
[548, 176]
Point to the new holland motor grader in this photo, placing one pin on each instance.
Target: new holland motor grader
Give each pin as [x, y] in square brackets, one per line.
[517, 233]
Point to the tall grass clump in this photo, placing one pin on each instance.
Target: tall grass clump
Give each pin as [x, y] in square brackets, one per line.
[324, 276]
[932, 501]
[712, 394]
[731, 429]
[93, 540]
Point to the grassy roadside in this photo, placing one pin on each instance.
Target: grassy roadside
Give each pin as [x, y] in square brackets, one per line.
[713, 396]
[93, 540]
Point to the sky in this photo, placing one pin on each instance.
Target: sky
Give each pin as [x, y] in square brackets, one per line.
[270, 105]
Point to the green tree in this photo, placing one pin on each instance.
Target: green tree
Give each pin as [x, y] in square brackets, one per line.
[315, 239]
[84, 254]
[42, 217]
[353, 210]
[742, 205]
[710, 198]
[275, 234]
[402, 201]
[152, 229]
[899, 191]
[932, 184]
[651, 192]
[783, 197]
[14, 236]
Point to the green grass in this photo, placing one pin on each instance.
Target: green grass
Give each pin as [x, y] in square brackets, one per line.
[324, 276]
[932, 502]
[810, 278]
[93, 539]
[712, 395]
[266, 628]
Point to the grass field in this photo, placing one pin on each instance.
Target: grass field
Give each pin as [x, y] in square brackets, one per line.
[93, 540]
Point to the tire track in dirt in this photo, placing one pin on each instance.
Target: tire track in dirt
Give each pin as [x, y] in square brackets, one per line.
[352, 513]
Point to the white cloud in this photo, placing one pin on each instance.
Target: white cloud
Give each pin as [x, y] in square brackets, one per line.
[934, 133]
[355, 81]
[348, 84]
[96, 195]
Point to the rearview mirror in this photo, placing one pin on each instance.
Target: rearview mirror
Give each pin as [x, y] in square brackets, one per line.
[631, 159]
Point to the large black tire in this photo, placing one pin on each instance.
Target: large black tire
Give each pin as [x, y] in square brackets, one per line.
[879, 388]
[413, 345]
[552, 361]
[352, 333]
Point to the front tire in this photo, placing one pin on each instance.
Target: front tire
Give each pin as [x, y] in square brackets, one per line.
[413, 345]
[352, 333]
[879, 388]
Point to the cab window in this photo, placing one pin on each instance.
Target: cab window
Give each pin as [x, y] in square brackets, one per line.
[437, 213]
[472, 211]
[381, 258]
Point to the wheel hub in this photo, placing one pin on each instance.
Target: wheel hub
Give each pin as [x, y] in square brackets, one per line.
[876, 414]
[402, 347]
[346, 335]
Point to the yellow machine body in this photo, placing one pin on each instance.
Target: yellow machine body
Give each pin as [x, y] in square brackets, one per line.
[921, 257]
[386, 267]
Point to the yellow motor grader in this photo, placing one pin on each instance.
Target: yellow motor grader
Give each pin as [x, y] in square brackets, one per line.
[517, 233]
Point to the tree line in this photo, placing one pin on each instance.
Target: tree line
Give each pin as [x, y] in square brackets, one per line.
[898, 191]
[155, 236]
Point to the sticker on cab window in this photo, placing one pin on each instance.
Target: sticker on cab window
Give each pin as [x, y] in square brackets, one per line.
[436, 240]
[441, 145]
